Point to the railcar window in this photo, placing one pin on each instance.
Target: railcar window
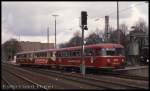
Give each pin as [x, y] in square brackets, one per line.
[61, 54]
[37, 55]
[28, 55]
[65, 54]
[78, 53]
[34, 55]
[21, 55]
[111, 52]
[31, 55]
[88, 52]
[49, 54]
[24, 56]
[40, 54]
[108, 51]
[75, 53]
[71, 53]
[120, 51]
[18, 56]
[58, 54]
[44, 54]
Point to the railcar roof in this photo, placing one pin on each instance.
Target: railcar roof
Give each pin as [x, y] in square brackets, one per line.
[102, 45]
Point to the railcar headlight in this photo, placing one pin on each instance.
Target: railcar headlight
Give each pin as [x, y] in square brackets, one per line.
[122, 60]
[147, 60]
[108, 60]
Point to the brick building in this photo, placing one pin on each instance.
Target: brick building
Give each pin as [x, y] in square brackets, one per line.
[31, 46]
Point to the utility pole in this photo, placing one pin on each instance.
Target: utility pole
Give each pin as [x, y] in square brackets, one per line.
[106, 28]
[82, 54]
[117, 16]
[118, 22]
[48, 36]
[19, 37]
[55, 28]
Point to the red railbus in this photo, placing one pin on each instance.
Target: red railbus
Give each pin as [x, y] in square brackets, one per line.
[97, 56]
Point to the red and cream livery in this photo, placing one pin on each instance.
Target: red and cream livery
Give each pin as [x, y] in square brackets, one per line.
[105, 55]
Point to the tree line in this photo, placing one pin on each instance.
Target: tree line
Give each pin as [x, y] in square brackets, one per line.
[12, 46]
[98, 36]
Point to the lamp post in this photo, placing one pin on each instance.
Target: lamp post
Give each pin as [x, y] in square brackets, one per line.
[117, 16]
[84, 27]
[55, 28]
[118, 22]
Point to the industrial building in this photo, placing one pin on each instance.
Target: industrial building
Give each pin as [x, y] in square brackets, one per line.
[32, 46]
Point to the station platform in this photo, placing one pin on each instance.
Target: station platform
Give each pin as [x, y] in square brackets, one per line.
[132, 68]
[12, 62]
[142, 71]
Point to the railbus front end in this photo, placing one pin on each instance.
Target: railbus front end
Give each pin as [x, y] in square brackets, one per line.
[110, 58]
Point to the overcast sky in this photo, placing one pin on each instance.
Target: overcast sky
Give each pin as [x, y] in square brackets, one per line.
[30, 20]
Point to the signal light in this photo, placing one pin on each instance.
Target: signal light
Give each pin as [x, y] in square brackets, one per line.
[84, 18]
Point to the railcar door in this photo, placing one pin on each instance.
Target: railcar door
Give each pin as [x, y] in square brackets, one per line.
[89, 57]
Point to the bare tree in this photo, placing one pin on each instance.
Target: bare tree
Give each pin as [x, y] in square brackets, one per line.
[10, 48]
[99, 32]
[77, 33]
[76, 40]
[93, 39]
[140, 25]
[124, 28]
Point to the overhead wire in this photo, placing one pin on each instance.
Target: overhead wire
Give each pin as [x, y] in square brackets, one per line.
[120, 11]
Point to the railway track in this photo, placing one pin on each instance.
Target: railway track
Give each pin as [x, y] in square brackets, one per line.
[130, 82]
[60, 83]
[124, 75]
[6, 85]
[108, 84]
[88, 80]
[16, 81]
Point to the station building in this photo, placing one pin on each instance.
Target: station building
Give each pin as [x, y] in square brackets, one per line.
[32, 46]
